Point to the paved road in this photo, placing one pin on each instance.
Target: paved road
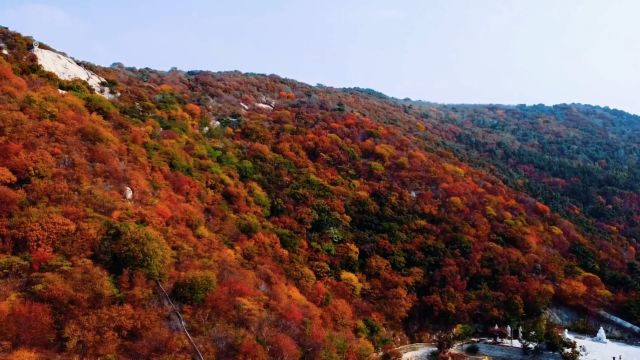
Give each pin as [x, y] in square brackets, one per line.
[418, 351]
[499, 352]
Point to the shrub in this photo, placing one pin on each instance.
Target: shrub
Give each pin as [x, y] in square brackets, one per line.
[570, 351]
[248, 224]
[95, 134]
[352, 280]
[364, 349]
[6, 177]
[168, 100]
[76, 86]
[98, 104]
[376, 167]
[288, 239]
[39, 229]
[136, 247]
[554, 341]
[27, 324]
[444, 341]
[246, 169]
[194, 288]
[463, 331]
[13, 266]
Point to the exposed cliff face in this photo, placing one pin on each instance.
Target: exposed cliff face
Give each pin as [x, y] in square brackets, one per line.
[67, 69]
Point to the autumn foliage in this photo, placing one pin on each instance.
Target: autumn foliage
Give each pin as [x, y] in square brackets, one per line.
[333, 226]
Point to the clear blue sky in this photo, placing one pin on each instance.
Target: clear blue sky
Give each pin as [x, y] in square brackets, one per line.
[453, 51]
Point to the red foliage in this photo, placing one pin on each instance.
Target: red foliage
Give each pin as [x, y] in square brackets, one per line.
[283, 347]
[27, 324]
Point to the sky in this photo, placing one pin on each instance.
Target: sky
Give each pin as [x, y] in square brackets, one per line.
[448, 51]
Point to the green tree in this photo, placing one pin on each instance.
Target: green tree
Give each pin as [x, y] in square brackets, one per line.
[194, 288]
[136, 247]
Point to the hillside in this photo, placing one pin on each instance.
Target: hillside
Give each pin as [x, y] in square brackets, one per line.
[582, 161]
[291, 221]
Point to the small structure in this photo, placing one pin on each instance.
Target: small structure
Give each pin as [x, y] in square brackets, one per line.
[601, 336]
[128, 193]
[213, 123]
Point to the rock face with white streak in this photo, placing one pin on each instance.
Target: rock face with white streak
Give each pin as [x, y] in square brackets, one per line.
[67, 69]
[264, 106]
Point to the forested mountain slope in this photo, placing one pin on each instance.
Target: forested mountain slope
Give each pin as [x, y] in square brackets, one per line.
[291, 221]
[580, 160]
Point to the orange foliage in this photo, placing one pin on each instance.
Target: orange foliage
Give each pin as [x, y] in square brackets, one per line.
[329, 232]
[193, 110]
